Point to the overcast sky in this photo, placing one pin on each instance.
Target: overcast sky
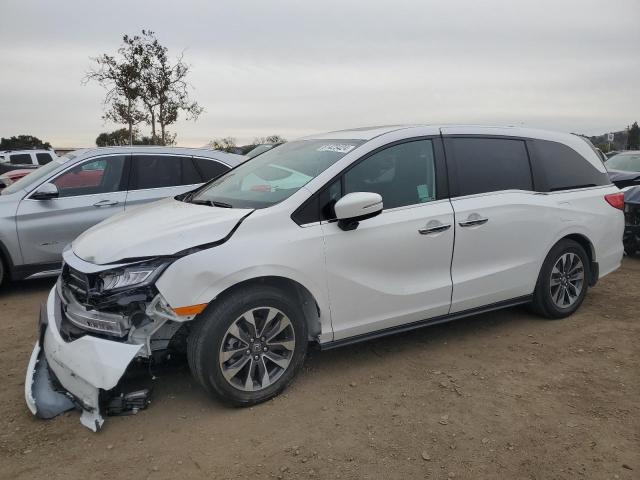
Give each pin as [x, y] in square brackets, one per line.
[299, 67]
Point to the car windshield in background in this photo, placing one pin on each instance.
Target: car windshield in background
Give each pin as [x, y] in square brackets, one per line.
[274, 175]
[629, 162]
[32, 179]
[258, 150]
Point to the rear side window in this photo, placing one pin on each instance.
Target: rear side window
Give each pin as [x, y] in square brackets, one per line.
[562, 168]
[158, 171]
[210, 169]
[489, 164]
[21, 159]
[43, 158]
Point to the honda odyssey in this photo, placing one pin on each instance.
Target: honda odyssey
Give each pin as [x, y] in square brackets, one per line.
[331, 239]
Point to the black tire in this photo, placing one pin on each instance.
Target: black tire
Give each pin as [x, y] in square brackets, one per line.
[543, 303]
[211, 328]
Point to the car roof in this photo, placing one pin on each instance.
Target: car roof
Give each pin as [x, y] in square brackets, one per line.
[367, 133]
[27, 150]
[627, 152]
[230, 159]
[576, 142]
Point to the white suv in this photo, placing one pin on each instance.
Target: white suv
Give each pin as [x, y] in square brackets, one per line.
[25, 159]
[332, 239]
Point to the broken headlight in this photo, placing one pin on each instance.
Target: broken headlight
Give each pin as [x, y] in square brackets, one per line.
[137, 275]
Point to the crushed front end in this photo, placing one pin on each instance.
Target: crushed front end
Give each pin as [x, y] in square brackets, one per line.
[96, 321]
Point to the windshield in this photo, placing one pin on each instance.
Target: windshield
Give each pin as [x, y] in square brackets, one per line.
[625, 161]
[274, 175]
[258, 150]
[32, 179]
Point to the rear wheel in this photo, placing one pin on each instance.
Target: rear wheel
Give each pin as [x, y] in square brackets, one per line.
[563, 280]
[249, 345]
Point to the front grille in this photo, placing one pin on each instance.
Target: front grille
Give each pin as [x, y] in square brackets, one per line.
[77, 283]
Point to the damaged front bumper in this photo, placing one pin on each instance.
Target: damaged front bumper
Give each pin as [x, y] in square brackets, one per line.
[63, 375]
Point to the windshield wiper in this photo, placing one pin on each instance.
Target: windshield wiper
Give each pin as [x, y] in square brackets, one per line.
[211, 203]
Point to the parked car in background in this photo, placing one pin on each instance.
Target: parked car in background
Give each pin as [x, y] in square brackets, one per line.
[624, 168]
[44, 211]
[254, 152]
[25, 159]
[601, 154]
[12, 176]
[334, 239]
[631, 237]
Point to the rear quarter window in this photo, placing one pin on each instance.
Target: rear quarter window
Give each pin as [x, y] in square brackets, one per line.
[210, 169]
[483, 164]
[560, 167]
[43, 158]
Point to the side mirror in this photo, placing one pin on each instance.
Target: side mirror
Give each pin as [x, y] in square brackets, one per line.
[46, 191]
[357, 206]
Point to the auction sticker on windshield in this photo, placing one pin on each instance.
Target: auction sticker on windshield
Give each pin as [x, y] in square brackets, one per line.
[339, 148]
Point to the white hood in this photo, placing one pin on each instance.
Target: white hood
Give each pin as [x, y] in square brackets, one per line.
[161, 228]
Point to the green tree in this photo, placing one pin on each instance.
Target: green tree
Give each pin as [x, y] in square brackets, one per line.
[23, 142]
[144, 85]
[121, 137]
[272, 139]
[633, 137]
[121, 76]
[225, 144]
[165, 91]
[116, 138]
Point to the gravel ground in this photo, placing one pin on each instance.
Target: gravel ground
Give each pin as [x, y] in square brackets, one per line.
[501, 395]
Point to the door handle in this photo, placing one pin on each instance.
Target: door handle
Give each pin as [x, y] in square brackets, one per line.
[434, 229]
[105, 203]
[473, 222]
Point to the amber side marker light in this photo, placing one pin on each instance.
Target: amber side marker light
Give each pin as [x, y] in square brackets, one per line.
[190, 310]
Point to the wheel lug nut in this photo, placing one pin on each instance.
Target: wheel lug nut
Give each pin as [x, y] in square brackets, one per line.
[265, 349]
[256, 357]
[248, 352]
[252, 339]
[263, 339]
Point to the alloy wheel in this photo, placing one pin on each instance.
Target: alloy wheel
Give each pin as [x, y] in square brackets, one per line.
[567, 280]
[257, 349]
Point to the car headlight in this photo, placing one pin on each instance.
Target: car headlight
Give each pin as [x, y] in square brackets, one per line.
[133, 276]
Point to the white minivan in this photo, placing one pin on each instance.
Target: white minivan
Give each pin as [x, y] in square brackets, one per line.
[332, 239]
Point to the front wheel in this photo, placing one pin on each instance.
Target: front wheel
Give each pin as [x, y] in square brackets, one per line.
[563, 280]
[249, 345]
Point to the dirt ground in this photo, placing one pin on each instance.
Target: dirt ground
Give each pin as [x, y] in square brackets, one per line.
[503, 395]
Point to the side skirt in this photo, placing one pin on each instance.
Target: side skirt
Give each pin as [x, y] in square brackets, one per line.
[424, 323]
[37, 270]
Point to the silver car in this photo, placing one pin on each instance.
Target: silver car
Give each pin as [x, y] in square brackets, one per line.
[47, 209]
